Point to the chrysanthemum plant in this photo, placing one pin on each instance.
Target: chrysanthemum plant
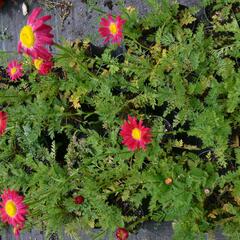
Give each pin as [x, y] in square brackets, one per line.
[146, 128]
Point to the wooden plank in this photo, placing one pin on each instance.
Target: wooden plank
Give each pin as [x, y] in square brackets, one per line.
[148, 231]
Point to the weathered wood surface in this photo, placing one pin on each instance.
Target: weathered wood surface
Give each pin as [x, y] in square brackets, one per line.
[81, 22]
[149, 231]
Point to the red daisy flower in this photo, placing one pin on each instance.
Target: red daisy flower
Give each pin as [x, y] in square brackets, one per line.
[15, 70]
[111, 29]
[3, 122]
[35, 35]
[43, 66]
[135, 135]
[13, 210]
[122, 234]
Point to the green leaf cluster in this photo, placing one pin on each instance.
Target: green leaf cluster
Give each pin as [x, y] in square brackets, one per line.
[176, 70]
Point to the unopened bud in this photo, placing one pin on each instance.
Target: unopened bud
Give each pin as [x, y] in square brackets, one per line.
[206, 191]
[168, 181]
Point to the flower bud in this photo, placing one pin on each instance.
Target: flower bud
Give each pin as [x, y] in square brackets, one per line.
[206, 191]
[168, 181]
[122, 234]
[78, 199]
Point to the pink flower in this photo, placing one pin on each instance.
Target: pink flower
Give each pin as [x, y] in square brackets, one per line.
[15, 70]
[43, 66]
[111, 29]
[13, 210]
[35, 36]
[3, 122]
[135, 135]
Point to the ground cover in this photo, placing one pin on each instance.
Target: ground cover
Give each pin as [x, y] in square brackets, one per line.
[143, 128]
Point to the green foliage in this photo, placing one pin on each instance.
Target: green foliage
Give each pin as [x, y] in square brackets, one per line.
[177, 72]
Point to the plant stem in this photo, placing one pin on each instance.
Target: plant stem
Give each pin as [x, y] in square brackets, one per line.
[15, 52]
[99, 10]
[75, 57]
[100, 234]
[138, 43]
[141, 220]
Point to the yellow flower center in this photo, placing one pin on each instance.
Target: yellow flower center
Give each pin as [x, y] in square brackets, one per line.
[27, 36]
[113, 28]
[13, 70]
[136, 134]
[10, 208]
[37, 63]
